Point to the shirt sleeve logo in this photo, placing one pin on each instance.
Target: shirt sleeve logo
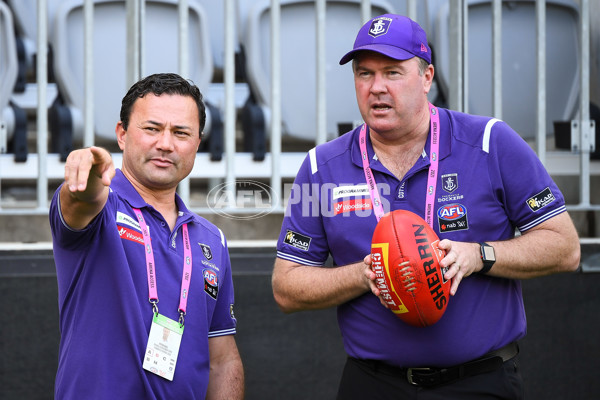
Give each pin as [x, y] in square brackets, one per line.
[297, 240]
[540, 200]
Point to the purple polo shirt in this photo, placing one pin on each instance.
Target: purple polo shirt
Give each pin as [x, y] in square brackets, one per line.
[105, 315]
[489, 183]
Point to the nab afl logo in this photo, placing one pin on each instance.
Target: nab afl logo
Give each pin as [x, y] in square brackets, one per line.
[379, 26]
[210, 276]
[211, 284]
[452, 217]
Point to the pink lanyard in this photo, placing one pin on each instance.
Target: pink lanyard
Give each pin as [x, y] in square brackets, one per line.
[151, 268]
[431, 177]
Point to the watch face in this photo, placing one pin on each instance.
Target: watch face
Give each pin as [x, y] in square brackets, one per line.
[488, 253]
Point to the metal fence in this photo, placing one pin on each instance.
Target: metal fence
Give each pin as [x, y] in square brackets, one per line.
[43, 167]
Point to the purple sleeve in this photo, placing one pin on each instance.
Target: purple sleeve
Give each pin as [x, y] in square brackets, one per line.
[521, 180]
[302, 238]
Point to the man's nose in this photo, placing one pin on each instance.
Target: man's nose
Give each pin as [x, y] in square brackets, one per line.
[165, 140]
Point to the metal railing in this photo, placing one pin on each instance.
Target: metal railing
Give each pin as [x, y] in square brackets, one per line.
[42, 167]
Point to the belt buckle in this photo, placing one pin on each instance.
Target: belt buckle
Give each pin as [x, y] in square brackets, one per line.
[409, 374]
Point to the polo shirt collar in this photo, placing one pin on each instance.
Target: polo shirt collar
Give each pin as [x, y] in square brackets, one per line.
[123, 186]
[125, 189]
[445, 142]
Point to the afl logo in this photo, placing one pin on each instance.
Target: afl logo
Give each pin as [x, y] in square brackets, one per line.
[452, 217]
[211, 286]
[452, 212]
[210, 277]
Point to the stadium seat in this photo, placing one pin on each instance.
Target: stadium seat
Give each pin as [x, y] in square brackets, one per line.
[25, 14]
[13, 121]
[518, 60]
[160, 51]
[298, 68]
[215, 13]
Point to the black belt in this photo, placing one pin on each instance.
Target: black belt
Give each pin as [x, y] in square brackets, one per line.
[428, 377]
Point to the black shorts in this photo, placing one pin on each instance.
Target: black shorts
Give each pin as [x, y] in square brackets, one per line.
[361, 381]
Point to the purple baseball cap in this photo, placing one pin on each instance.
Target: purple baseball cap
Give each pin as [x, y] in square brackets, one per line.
[392, 35]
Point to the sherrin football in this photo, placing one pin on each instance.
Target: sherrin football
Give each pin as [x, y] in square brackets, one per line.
[406, 259]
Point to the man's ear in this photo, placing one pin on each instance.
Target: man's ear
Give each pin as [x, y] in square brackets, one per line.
[428, 76]
[120, 132]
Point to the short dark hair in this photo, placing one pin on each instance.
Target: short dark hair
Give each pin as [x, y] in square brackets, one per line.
[163, 83]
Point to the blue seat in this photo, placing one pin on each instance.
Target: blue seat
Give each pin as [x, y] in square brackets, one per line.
[519, 95]
[25, 18]
[160, 52]
[25, 14]
[298, 65]
[13, 129]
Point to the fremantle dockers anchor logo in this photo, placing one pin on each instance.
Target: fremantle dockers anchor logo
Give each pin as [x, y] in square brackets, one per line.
[450, 182]
[206, 251]
[379, 26]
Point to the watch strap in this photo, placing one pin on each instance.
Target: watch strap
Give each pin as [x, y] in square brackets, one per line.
[487, 264]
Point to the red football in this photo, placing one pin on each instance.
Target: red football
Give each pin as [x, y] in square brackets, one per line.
[406, 264]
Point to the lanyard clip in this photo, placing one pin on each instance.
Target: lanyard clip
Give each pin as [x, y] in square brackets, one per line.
[154, 303]
[181, 318]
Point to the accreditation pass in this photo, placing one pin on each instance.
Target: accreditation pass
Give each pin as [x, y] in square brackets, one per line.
[163, 346]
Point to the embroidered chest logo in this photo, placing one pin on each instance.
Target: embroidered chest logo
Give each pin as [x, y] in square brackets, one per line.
[206, 251]
[450, 182]
[351, 198]
[352, 205]
[124, 225]
[211, 284]
[450, 186]
[130, 234]
[452, 217]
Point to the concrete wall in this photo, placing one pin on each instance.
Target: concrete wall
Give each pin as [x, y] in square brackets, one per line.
[300, 356]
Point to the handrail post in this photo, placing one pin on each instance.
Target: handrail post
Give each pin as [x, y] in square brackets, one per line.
[183, 14]
[540, 19]
[88, 131]
[275, 99]
[229, 79]
[586, 127]
[321, 101]
[42, 110]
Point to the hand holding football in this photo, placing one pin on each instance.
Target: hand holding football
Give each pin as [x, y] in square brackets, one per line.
[405, 259]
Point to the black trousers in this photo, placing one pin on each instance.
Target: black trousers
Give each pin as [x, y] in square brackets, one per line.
[361, 381]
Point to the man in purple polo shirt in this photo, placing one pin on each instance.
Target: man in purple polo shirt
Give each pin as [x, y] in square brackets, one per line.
[484, 182]
[145, 287]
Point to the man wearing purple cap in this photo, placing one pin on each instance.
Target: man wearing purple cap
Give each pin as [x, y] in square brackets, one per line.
[472, 178]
